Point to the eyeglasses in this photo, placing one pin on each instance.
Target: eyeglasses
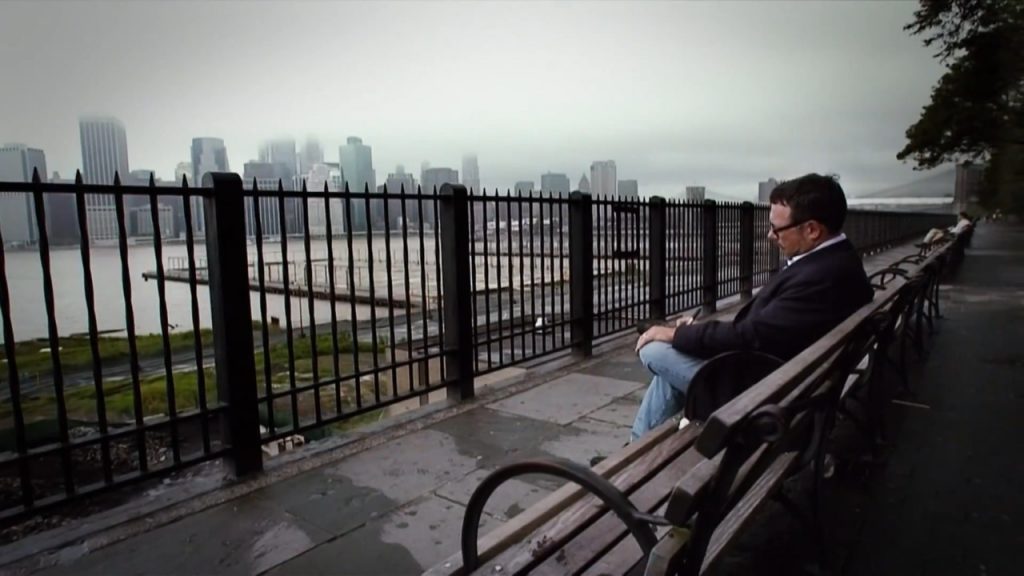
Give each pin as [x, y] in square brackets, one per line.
[776, 231]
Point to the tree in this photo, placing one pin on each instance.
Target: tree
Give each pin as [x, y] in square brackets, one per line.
[976, 113]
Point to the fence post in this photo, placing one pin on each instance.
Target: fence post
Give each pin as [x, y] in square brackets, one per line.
[657, 242]
[710, 256]
[227, 261]
[746, 251]
[581, 272]
[459, 345]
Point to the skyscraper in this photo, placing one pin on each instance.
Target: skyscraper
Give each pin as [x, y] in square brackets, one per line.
[695, 193]
[432, 179]
[282, 153]
[555, 183]
[764, 189]
[603, 180]
[104, 150]
[208, 155]
[397, 182]
[61, 215]
[356, 161]
[471, 173]
[311, 154]
[104, 154]
[584, 185]
[182, 169]
[265, 176]
[629, 189]
[17, 209]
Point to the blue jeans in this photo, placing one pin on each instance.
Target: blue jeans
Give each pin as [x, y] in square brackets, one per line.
[666, 394]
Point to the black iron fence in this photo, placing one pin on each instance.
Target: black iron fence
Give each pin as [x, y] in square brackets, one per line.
[147, 328]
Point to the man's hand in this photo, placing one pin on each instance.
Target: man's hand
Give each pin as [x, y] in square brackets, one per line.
[655, 334]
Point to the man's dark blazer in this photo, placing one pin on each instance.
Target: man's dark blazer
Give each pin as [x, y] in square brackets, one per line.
[799, 305]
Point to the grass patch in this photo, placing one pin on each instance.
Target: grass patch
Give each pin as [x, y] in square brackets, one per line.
[119, 395]
[33, 356]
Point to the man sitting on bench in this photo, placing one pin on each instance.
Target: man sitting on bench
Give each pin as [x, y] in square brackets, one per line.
[822, 283]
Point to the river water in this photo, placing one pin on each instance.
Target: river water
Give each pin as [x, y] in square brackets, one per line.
[25, 281]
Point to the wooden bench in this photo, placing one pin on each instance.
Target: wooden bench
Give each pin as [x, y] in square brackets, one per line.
[675, 500]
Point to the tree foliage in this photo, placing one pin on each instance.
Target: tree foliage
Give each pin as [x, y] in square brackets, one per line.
[976, 112]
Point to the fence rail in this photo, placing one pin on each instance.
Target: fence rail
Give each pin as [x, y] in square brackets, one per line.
[251, 315]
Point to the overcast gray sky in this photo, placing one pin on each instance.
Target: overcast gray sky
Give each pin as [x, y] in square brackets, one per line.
[677, 93]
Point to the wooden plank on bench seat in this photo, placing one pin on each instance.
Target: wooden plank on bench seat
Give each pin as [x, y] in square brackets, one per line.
[522, 525]
[603, 533]
[667, 457]
[749, 504]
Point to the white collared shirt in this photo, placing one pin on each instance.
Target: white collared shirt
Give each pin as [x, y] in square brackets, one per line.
[824, 244]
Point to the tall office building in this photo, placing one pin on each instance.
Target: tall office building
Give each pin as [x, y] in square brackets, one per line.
[629, 189]
[471, 173]
[265, 177]
[317, 178]
[17, 209]
[104, 154]
[61, 215]
[524, 187]
[183, 169]
[695, 193]
[281, 152]
[104, 150]
[430, 180]
[310, 155]
[584, 185]
[555, 183]
[764, 189]
[603, 180]
[208, 155]
[397, 182]
[356, 161]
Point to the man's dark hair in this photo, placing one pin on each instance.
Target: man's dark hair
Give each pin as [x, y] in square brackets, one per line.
[813, 197]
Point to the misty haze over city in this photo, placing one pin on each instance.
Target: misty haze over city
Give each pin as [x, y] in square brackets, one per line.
[721, 95]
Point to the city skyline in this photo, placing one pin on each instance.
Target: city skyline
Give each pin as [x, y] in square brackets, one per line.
[725, 95]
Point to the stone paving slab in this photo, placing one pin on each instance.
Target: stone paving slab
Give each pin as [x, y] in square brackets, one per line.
[621, 412]
[407, 467]
[244, 537]
[505, 503]
[621, 367]
[494, 438]
[566, 399]
[331, 502]
[406, 541]
[587, 438]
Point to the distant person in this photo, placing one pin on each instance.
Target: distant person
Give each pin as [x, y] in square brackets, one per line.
[822, 283]
[963, 224]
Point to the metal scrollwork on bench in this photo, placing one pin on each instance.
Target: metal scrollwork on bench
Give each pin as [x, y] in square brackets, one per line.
[639, 523]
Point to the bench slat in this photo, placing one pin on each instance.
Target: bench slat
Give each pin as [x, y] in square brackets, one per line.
[527, 521]
[604, 533]
[547, 540]
[751, 502]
